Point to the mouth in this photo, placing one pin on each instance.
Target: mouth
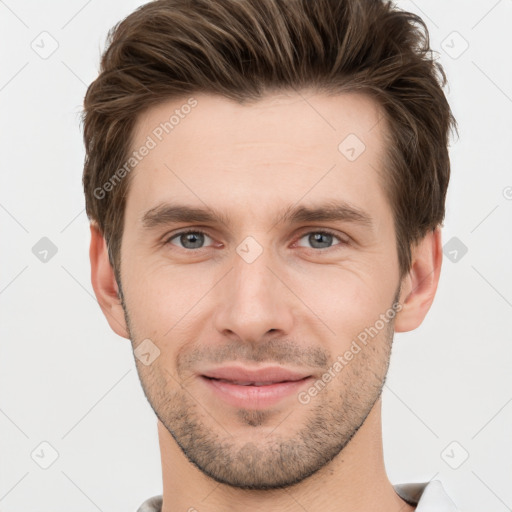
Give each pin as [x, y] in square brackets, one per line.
[250, 383]
[246, 376]
[254, 389]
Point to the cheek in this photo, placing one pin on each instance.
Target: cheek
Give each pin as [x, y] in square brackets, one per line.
[162, 298]
[349, 299]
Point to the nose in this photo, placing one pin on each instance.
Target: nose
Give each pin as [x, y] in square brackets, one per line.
[254, 300]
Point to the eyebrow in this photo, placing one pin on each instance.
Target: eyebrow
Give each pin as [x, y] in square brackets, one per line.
[168, 213]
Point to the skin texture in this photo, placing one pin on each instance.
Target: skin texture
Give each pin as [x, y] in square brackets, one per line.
[299, 304]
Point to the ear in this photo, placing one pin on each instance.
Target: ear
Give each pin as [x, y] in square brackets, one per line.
[104, 283]
[420, 284]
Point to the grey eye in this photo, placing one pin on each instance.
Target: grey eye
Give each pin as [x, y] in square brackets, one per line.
[190, 239]
[319, 239]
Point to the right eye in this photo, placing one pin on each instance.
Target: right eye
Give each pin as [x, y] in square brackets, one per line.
[189, 239]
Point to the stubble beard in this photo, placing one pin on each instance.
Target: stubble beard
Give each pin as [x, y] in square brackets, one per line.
[275, 460]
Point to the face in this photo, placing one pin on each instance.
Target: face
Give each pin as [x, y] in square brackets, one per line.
[258, 248]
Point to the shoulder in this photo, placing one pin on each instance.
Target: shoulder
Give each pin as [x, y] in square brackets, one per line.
[153, 504]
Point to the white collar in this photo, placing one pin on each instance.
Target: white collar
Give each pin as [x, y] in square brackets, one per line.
[428, 496]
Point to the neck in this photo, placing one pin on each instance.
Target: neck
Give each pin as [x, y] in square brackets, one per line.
[354, 481]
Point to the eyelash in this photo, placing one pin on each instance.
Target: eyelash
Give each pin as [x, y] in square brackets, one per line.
[198, 231]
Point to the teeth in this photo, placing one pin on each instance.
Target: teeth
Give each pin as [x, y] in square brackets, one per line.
[239, 383]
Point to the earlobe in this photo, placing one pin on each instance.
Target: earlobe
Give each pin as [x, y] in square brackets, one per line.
[420, 284]
[104, 283]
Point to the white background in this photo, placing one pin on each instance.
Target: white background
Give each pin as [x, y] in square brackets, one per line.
[67, 379]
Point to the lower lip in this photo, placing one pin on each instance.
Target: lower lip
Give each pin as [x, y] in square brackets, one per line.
[254, 397]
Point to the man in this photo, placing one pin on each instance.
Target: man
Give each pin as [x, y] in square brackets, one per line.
[265, 181]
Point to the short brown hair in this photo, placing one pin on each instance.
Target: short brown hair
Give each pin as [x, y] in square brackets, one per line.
[243, 49]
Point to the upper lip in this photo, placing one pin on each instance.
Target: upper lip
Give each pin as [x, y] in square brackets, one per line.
[266, 375]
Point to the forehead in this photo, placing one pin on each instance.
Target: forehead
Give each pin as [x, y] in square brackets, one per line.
[280, 147]
[305, 118]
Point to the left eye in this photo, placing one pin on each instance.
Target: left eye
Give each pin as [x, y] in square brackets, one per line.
[197, 239]
[320, 239]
